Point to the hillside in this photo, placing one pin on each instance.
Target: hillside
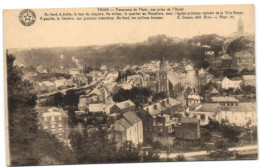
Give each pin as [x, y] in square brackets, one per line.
[118, 55]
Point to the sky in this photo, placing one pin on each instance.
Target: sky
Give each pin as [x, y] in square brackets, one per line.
[83, 33]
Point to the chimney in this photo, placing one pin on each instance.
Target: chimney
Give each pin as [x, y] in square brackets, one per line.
[155, 107]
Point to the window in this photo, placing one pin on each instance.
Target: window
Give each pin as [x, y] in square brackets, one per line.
[60, 136]
[45, 127]
[60, 126]
[163, 88]
[163, 77]
[52, 128]
[202, 117]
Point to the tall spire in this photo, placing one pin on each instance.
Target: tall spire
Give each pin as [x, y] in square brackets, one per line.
[240, 26]
[163, 64]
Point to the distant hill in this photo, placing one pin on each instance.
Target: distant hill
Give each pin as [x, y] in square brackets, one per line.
[118, 55]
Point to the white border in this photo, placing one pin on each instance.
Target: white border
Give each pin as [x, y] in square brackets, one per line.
[13, 4]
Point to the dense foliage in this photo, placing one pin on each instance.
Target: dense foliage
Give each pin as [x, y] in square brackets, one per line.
[120, 55]
[137, 95]
[27, 144]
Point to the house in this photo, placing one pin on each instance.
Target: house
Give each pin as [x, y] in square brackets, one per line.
[204, 112]
[189, 129]
[103, 68]
[210, 92]
[243, 60]
[172, 106]
[249, 80]
[55, 121]
[163, 128]
[168, 109]
[226, 60]
[128, 128]
[39, 86]
[49, 86]
[96, 108]
[84, 100]
[188, 67]
[98, 95]
[227, 83]
[209, 52]
[193, 98]
[225, 100]
[80, 79]
[122, 107]
[147, 121]
[183, 78]
[166, 106]
[244, 114]
[74, 71]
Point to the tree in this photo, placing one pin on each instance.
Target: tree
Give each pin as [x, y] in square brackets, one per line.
[150, 156]
[231, 132]
[137, 95]
[27, 144]
[127, 153]
[93, 147]
[220, 151]
[212, 125]
[159, 96]
[230, 73]
[180, 157]
[22, 118]
[58, 99]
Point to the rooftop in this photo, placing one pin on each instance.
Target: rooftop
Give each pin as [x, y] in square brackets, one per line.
[96, 107]
[219, 99]
[190, 120]
[125, 104]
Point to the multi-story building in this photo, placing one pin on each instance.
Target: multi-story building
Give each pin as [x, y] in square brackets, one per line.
[227, 83]
[122, 107]
[241, 115]
[243, 60]
[55, 121]
[189, 129]
[225, 100]
[204, 112]
[128, 128]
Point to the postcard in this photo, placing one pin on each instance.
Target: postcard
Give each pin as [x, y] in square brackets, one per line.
[130, 84]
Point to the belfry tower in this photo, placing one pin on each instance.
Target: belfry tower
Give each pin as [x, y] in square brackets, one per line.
[163, 84]
[240, 26]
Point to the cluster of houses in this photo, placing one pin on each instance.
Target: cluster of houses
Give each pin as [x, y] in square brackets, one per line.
[192, 98]
[180, 115]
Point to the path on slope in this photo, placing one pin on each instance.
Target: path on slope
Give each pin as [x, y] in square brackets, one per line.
[199, 153]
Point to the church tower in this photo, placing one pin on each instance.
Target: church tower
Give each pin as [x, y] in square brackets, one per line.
[163, 84]
[240, 26]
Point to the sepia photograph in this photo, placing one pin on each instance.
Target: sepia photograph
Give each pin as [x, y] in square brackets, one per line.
[133, 84]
